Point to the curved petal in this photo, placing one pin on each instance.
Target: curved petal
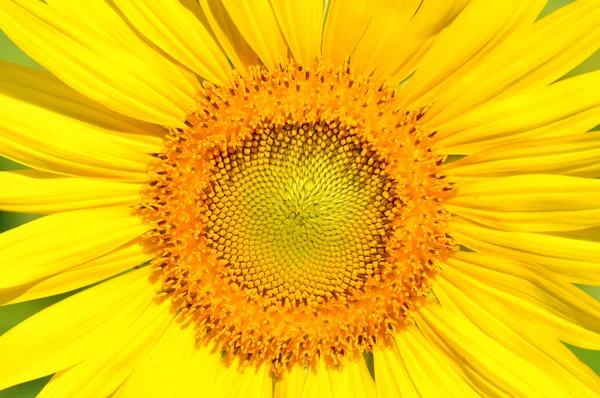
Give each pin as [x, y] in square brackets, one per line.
[119, 260]
[49, 141]
[416, 39]
[251, 382]
[235, 45]
[574, 154]
[178, 366]
[43, 90]
[544, 56]
[301, 22]
[33, 191]
[521, 337]
[104, 372]
[392, 375]
[57, 242]
[558, 308]
[386, 28]
[182, 31]
[576, 259]
[431, 371]
[530, 202]
[257, 23]
[72, 330]
[345, 24]
[320, 380]
[520, 113]
[99, 67]
[474, 32]
[485, 362]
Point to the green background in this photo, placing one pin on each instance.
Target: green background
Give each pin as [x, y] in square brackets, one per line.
[12, 314]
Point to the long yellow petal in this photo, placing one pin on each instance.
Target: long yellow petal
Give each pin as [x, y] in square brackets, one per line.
[414, 41]
[529, 110]
[430, 370]
[235, 45]
[392, 375]
[345, 24]
[57, 242]
[33, 191]
[121, 259]
[562, 310]
[482, 359]
[577, 260]
[74, 329]
[474, 32]
[291, 383]
[351, 380]
[251, 382]
[104, 18]
[301, 22]
[182, 31]
[390, 18]
[574, 155]
[104, 372]
[553, 46]
[111, 74]
[530, 202]
[257, 23]
[519, 333]
[48, 141]
[43, 90]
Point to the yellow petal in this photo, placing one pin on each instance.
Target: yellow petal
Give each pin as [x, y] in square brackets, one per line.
[483, 360]
[474, 32]
[301, 22]
[576, 259]
[48, 141]
[517, 331]
[530, 202]
[392, 375]
[390, 18]
[351, 380]
[111, 74]
[182, 31]
[575, 155]
[235, 45]
[72, 330]
[413, 42]
[430, 370]
[345, 24]
[173, 366]
[43, 90]
[257, 23]
[105, 19]
[57, 242]
[32, 191]
[517, 114]
[101, 375]
[553, 46]
[239, 381]
[559, 308]
[121, 259]
[291, 383]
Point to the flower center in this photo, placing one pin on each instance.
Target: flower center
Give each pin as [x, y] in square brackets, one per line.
[299, 215]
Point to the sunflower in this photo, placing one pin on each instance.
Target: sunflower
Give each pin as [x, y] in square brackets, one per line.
[261, 196]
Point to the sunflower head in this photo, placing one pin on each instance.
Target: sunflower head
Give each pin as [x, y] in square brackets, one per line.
[280, 169]
[299, 214]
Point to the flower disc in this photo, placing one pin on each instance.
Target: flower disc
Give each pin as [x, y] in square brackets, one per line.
[299, 215]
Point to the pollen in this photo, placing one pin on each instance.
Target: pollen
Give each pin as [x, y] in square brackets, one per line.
[300, 214]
